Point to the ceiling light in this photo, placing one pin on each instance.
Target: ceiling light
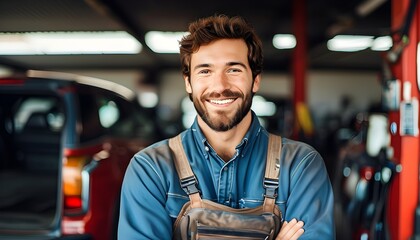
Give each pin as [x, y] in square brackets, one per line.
[383, 43]
[284, 41]
[54, 43]
[349, 43]
[164, 42]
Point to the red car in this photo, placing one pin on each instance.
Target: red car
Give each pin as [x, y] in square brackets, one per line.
[65, 143]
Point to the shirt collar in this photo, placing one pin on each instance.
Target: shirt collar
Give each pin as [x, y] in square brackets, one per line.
[250, 137]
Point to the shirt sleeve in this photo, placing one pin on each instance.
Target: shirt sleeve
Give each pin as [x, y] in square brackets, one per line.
[143, 196]
[311, 198]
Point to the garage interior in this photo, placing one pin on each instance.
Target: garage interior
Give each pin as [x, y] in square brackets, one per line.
[337, 88]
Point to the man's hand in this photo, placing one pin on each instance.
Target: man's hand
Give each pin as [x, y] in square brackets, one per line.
[291, 230]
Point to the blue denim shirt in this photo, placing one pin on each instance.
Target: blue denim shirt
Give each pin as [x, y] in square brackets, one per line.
[152, 197]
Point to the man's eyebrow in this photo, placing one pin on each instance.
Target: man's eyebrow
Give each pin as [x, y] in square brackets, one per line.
[204, 65]
[236, 63]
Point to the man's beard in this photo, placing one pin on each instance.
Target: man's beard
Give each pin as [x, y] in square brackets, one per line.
[222, 122]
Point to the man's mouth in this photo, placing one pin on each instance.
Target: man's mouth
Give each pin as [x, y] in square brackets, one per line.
[222, 101]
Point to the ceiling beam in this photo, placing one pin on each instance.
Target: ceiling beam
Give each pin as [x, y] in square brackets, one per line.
[111, 9]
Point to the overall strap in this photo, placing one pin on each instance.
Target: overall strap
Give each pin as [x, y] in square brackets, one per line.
[186, 176]
[272, 172]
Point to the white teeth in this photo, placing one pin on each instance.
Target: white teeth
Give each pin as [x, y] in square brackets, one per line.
[222, 101]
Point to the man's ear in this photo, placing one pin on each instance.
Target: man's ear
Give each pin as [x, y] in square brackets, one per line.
[187, 84]
[256, 85]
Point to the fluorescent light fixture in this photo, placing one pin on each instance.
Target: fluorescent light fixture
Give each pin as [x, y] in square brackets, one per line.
[383, 43]
[284, 41]
[349, 43]
[164, 42]
[54, 43]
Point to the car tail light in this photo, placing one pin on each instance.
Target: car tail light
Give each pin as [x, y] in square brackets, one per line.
[11, 82]
[76, 183]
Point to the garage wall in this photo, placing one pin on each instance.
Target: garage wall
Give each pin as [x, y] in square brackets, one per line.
[326, 90]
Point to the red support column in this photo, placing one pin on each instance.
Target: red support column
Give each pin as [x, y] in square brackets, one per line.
[404, 189]
[299, 62]
[300, 52]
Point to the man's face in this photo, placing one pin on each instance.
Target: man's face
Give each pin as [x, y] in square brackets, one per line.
[221, 84]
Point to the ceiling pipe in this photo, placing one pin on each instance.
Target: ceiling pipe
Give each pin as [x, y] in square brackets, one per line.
[348, 21]
[368, 7]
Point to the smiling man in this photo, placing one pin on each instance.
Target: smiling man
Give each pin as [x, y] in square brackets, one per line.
[226, 146]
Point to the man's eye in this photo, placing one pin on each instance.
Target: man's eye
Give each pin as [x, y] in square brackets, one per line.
[204, 71]
[234, 70]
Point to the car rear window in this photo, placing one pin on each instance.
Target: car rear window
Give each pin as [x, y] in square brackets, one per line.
[30, 159]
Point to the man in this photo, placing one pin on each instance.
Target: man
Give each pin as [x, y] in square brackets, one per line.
[226, 145]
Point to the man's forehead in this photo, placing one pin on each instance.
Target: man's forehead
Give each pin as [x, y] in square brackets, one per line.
[221, 52]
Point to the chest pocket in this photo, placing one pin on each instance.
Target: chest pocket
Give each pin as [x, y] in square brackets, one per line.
[250, 203]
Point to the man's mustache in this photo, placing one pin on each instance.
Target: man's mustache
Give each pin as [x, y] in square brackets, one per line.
[227, 93]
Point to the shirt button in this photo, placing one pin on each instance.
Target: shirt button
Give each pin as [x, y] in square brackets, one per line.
[225, 169]
[206, 148]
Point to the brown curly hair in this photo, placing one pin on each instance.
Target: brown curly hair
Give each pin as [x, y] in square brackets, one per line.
[207, 30]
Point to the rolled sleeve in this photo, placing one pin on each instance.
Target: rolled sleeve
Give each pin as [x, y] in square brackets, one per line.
[143, 196]
[311, 199]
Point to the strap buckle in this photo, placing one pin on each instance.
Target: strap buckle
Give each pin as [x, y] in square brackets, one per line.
[271, 186]
[189, 185]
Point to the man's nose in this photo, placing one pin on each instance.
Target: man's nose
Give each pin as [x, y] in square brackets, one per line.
[221, 81]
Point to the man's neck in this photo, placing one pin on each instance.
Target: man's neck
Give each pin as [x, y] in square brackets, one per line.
[224, 143]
